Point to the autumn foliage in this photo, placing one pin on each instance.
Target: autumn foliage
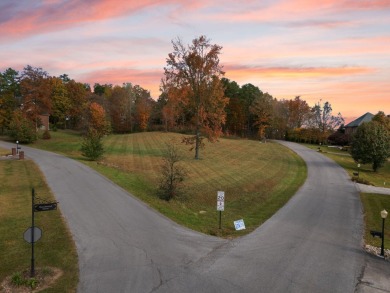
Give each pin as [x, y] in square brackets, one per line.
[193, 86]
[97, 120]
[195, 99]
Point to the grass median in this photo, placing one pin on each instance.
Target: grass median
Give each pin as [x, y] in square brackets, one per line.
[257, 178]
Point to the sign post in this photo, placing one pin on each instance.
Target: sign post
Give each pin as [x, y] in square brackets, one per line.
[32, 272]
[43, 207]
[220, 205]
[33, 234]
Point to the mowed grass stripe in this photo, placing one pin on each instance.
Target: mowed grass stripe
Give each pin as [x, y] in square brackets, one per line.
[153, 151]
[206, 179]
[257, 178]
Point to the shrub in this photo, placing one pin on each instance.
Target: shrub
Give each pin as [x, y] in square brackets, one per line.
[22, 129]
[172, 175]
[92, 146]
[46, 134]
[32, 283]
[17, 279]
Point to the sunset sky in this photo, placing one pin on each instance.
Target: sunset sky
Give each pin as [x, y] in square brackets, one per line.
[334, 50]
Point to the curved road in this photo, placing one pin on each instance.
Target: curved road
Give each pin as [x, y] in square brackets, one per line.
[312, 244]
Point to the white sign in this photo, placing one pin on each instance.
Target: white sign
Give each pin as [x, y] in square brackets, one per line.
[221, 201]
[239, 225]
[221, 196]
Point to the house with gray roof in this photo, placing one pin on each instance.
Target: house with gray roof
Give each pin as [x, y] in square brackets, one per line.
[351, 127]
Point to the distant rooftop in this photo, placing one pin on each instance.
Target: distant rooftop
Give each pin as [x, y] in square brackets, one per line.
[357, 122]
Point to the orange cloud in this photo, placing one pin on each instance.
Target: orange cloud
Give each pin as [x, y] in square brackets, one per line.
[238, 72]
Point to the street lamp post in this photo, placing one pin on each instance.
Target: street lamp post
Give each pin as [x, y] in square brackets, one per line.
[17, 147]
[383, 216]
[358, 169]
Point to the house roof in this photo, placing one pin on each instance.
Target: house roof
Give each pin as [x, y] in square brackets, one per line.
[357, 122]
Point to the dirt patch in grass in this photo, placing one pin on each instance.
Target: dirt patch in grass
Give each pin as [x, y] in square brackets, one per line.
[44, 277]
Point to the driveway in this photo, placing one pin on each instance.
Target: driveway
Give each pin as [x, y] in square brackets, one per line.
[313, 244]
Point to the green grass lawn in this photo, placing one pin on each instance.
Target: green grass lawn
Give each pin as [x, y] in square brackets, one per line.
[54, 249]
[66, 142]
[257, 178]
[373, 205]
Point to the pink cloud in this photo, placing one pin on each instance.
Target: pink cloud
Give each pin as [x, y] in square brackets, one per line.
[335, 5]
[287, 10]
[20, 19]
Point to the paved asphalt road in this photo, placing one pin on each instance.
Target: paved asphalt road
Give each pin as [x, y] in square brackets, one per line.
[312, 244]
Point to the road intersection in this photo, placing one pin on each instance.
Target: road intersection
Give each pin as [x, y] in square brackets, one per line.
[312, 244]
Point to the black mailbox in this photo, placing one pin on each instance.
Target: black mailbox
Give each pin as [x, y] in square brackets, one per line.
[376, 234]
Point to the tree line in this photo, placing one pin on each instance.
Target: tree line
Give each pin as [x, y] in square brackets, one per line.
[195, 99]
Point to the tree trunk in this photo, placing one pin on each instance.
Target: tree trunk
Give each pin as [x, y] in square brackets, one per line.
[197, 134]
[197, 142]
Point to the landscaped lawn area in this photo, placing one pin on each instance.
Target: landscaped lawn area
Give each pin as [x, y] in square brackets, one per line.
[257, 178]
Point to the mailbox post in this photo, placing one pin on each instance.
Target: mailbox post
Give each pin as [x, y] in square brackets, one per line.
[383, 216]
[32, 271]
[33, 234]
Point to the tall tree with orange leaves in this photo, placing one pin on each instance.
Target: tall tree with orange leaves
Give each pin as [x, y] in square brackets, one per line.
[35, 90]
[97, 127]
[262, 112]
[97, 121]
[143, 107]
[298, 112]
[196, 72]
